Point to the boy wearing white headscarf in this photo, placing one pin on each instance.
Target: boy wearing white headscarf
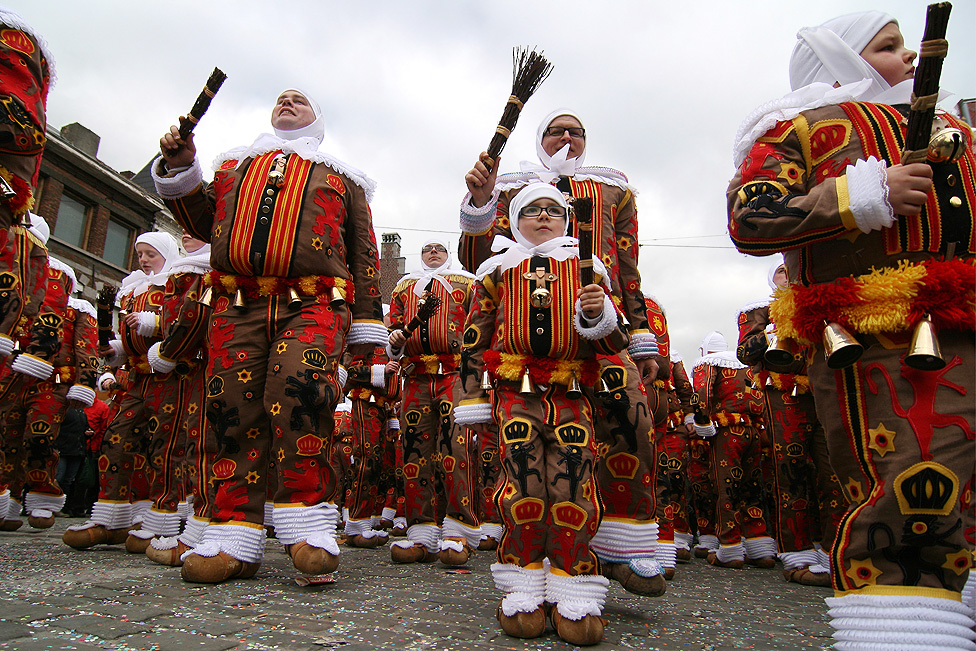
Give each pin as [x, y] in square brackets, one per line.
[808, 499]
[436, 450]
[28, 74]
[627, 537]
[536, 333]
[875, 246]
[295, 282]
[124, 473]
[182, 463]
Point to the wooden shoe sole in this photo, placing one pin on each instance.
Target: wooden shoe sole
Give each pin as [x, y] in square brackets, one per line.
[97, 535]
[804, 576]
[311, 560]
[412, 554]
[523, 625]
[582, 632]
[216, 569]
[631, 581]
[713, 560]
[170, 557]
[136, 545]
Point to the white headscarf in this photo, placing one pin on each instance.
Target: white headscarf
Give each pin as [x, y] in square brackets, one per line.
[197, 262]
[139, 281]
[777, 263]
[428, 273]
[305, 142]
[556, 165]
[824, 55]
[39, 228]
[511, 253]
[714, 342]
[831, 52]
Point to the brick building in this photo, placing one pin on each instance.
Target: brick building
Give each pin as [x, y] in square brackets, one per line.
[392, 264]
[95, 213]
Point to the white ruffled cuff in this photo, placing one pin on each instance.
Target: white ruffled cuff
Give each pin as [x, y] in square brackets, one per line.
[643, 345]
[577, 596]
[366, 332]
[394, 353]
[341, 376]
[105, 377]
[602, 328]
[705, 431]
[473, 414]
[159, 364]
[393, 423]
[475, 221]
[6, 345]
[689, 419]
[180, 184]
[33, 366]
[377, 375]
[148, 322]
[867, 189]
[81, 393]
[118, 354]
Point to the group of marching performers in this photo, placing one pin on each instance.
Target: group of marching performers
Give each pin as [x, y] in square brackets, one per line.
[525, 398]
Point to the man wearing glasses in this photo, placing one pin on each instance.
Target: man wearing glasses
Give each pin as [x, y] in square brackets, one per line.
[627, 536]
[436, 451]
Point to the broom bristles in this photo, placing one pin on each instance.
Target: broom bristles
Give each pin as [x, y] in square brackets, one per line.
[529, 70]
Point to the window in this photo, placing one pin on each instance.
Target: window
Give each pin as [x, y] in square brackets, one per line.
[72, 224]
[118, 243]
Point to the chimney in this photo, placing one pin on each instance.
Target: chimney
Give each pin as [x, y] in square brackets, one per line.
[82, 137]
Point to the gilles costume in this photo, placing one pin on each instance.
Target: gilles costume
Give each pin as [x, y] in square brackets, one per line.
[725, 390]
[812, 182]
[626, 470]
[807, 497]
[36, 395]
[676, 447]
[185, 454]
[295, 281]
[124, 471]
[436, 450]
[372, 391]
[547, 496]
[28, 74]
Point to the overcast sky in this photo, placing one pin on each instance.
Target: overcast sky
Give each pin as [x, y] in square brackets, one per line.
[412, 90]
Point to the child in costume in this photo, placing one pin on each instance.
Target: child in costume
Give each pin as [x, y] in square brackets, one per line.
[531, 324]
[875, 246]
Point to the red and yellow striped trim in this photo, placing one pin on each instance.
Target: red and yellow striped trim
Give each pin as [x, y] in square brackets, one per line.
[254, 287]
[542, 370]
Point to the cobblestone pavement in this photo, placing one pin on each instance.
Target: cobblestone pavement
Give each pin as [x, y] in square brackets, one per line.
[53, 597]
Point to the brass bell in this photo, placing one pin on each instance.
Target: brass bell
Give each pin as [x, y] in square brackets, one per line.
[440, 368]
[573, 391]
[294, 300]
[541, 297]
[57, 378]
[924, 353]
[947, 146]
[336, 295]
[486, 381]
[796, 390]
[206, 298]
[841, 349]
[239, 301]
[603, 389]
[778, 353]
[526, 388]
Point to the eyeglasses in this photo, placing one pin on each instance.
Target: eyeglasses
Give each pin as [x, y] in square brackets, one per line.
[535, 212]
[557, 132]
[433, 247]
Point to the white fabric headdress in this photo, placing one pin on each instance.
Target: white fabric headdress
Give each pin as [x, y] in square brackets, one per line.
[556, 165]
[777, 263]
[139, 281]
[714, 342]
[197, 262]
[428, 273]
[511, 253]
[305, 142]
[824, 55]
[39, 228]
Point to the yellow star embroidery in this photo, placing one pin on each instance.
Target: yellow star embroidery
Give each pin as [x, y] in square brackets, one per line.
[192, 408]
[252, 477]
[281, 455]
[282, 347]
[958, 562]
[863, 573]
[317, 243]
[275, 409]
[791, 173]
[854, 490]
[218, 231]
[244, 376]
[168, 409]
[882, 440]
[253, 433]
